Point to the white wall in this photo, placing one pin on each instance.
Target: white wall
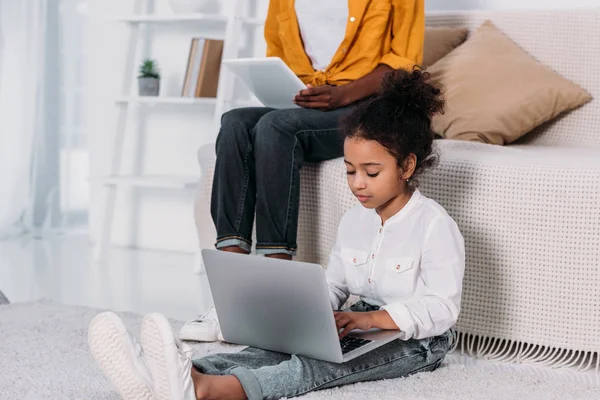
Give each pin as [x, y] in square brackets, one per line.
[162, 219]
[507, 4]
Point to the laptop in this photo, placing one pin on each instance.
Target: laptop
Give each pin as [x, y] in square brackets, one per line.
[269, 79]
[282, 306]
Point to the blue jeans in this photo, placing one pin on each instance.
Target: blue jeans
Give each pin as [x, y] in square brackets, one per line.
[269, 375]
[259, 155]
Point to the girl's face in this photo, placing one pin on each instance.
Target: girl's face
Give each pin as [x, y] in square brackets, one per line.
[373, 173]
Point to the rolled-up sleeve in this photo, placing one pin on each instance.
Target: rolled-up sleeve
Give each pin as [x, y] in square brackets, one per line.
[408, 35]
[435, 308]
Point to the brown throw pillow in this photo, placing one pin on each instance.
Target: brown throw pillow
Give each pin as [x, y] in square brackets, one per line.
[441, 41]
[496, 92]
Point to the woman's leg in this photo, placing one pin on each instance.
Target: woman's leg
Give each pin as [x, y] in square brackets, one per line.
[284, 140]
[234, 186]
[295, 376]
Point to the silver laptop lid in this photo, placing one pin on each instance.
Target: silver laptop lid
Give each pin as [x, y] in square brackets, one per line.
[273, 304]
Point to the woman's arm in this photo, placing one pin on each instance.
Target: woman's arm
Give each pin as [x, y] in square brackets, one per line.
[274, 45]
[408, 35]
[364, 87]
[328, 97]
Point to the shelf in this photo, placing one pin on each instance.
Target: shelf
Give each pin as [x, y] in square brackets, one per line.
[156, 181]
[170, 18]
[168, 100]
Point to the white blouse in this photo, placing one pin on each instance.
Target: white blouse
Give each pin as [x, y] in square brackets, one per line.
[322, 27]
[412, 267]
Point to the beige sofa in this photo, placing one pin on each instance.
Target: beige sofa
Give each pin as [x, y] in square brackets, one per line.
[529, 212]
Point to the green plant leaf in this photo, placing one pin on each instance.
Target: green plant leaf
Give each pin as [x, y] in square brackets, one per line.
[149, 69]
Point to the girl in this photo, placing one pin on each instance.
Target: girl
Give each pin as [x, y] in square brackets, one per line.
[399, 251]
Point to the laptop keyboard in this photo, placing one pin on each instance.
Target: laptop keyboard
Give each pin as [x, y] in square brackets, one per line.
[350, 343]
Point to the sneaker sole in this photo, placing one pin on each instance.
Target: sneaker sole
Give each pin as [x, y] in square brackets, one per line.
[107, 337]
[191, 334]
[162, 355]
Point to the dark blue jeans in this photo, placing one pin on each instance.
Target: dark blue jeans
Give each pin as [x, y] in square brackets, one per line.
[270, 375]
[259, 155]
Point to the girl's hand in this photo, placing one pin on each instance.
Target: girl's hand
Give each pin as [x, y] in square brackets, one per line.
[324, 98]
[353, 320]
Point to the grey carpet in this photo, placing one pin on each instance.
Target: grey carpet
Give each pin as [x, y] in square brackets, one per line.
[44, 354]
[3, 299]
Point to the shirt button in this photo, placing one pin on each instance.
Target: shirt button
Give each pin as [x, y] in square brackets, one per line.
[398, 267]
[380, 230]
[354, 261]
[352, 19]
[369, 280]
[373, 256]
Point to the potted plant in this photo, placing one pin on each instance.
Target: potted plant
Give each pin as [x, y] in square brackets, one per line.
[149, 78]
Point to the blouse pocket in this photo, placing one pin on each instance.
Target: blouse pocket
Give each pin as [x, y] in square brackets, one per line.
[355, 266]
[398, 277]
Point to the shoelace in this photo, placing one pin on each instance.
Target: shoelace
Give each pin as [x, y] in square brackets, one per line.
[185, 351]
[137, 347]
[209, 316]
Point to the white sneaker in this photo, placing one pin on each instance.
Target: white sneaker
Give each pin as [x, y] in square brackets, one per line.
[205, 328]
[169, 360]
[120, 357]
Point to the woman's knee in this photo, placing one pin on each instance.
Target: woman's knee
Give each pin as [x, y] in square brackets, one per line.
[236, 129]
[276, 129]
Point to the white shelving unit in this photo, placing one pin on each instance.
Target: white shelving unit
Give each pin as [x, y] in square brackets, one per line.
[153, 181]
[232, 25]
[167, 100]
[165, 19]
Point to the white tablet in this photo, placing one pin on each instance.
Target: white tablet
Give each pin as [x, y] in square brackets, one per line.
[269, 79]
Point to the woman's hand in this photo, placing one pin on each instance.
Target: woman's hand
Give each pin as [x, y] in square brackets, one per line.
[353, 320]
[324, 98]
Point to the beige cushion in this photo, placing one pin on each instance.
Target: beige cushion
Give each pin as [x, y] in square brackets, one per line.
[441, 41]
[496, 92]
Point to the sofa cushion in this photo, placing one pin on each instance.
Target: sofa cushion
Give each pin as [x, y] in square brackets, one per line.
[496, 92]
[441, 41]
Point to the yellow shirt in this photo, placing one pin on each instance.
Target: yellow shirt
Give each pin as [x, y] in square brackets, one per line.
[387, 32]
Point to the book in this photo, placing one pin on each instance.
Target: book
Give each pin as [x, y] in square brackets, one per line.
[203, 68]
[193, 67]
[208, 78]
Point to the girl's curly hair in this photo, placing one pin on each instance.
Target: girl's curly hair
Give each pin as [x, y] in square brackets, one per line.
[399, 118]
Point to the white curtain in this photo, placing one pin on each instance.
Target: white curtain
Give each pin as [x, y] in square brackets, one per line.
[23, 55]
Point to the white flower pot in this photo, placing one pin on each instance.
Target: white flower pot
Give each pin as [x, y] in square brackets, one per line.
[195, 6]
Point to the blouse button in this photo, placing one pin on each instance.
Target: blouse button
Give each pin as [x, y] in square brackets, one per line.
[398, 267]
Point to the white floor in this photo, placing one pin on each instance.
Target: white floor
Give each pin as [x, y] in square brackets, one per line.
[61, 269]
